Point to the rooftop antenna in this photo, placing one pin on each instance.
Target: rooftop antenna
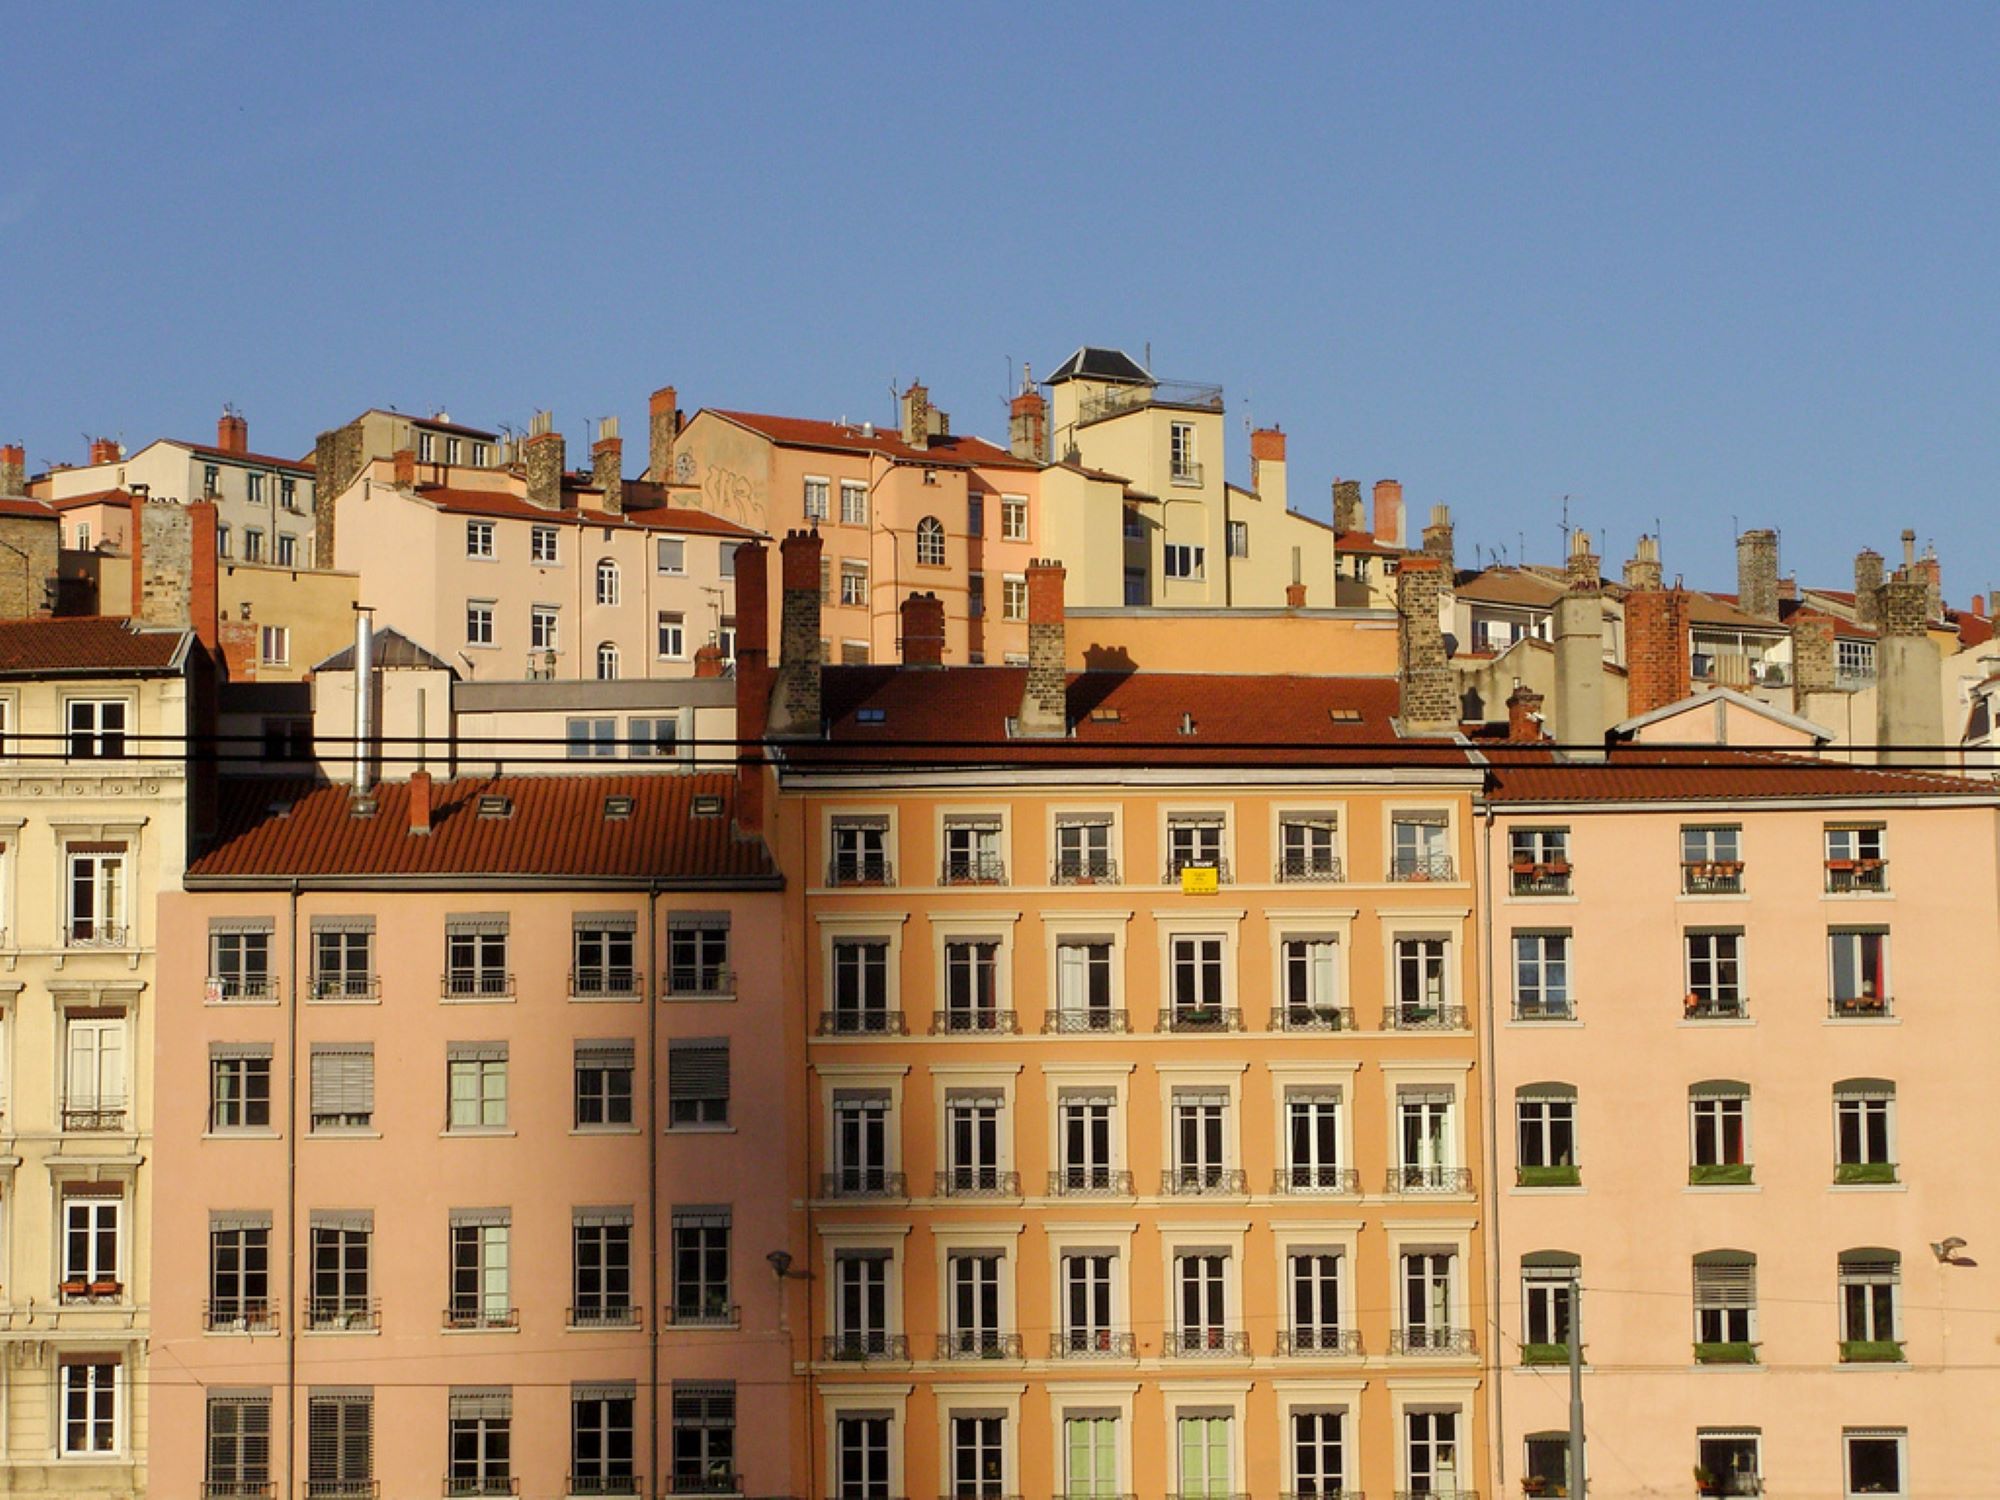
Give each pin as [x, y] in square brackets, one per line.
[1149, 356]
[1565, 526]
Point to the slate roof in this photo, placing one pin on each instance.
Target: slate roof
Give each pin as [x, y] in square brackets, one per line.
[1093, 363]
[390, 648]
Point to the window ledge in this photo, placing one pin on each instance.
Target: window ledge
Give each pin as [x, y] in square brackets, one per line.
[338, 1333]
[587, 1130]
[270, 1004]
[1716, 1023]
[478, 999]
[478, 1333]
[1540, 900]
[1861, 1021]
[344, 1135]
[243, 1135]
[343, 1000]
[699, 1130]
[477, 1132]
[1543, 1025]
[1547, 1192]
[1723, 1187]
[605, 999]
[1867, 1187]
[699, 997]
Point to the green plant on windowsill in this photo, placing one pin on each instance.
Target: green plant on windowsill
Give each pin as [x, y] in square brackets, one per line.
[1567, 1174]
[1545, 1354]
[1725, 1354]
[1864, 1171]
[1718, 1173]
[1871, 1351]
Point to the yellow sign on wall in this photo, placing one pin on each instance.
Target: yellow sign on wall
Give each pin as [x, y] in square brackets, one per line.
[1200, 880]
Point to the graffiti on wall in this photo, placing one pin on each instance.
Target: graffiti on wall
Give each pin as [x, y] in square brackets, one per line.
[732, 496]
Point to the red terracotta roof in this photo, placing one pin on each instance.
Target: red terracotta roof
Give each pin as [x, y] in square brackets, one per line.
[83, 645]
[1643, 773]
[1364, 541]
[27, 510]
[278, 830]
[95, 497]
[958, 716]
[209, 450]
[504, 504]
[949, 451]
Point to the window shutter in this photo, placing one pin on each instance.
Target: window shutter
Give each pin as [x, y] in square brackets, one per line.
[1730, 1284]
[593, 1218]
[476, 921]
[702, 1216]
[704, 1402]
[342, 924]
[483, 1218]
[481, 1403]
[698, 1069]
[343, 1080]
[221, 1050]
[604, 1052]
[1201, 1098]
[708, 921]
[222, 1220]
[604, 1390]
[475, 1051]
[355, 1220]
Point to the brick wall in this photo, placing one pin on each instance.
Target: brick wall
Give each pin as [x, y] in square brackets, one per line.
[1657, 668]
[1757, 574]
[1347, 514]
[1429, 699]
[544, 455]
[337, 460]
[1812, 655]
[24, 583]
[1867, 579]
[1045, 695]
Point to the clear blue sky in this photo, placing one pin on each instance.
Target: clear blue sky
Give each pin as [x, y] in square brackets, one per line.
[1712, 264]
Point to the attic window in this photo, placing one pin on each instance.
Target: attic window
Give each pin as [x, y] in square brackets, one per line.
[1344, 715]
[1105, 715]
[496, 807]
[870, 715]
[707, 805]
[617, 807]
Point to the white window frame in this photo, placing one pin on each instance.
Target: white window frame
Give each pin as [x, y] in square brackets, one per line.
[59, 1410]
[544, 545]
[608, 585]
[670, 635]
[1013, 518]
[482, 540]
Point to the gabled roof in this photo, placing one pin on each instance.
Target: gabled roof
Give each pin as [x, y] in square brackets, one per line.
[1352, 542]
[1505, 585]
[390, 648]
[556, 828]
[504, 504]
[1093, 363]
[947, 451]
[89, 646]
[27, 510]
[1674, 774]
[266, 460]
[435, 424]
[1707, 698]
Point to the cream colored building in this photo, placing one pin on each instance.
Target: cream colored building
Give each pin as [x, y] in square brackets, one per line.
[94, 794]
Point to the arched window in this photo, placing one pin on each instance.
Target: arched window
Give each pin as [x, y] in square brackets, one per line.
[1871, 1324]
[607, 662]
[607, 581]
[1545, 1135]
[1725, 1307]
[1548, 1282]
[1718, 1133]
[930, 542]
[1864, 1130]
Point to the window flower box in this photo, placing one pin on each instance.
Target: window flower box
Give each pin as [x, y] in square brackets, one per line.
[1719, 1174]
[1725, 1354]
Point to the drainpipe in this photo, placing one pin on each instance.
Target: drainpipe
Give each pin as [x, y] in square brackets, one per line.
[653, 1180]
[1497, 1438]
[805, 1121]
[290, 1323]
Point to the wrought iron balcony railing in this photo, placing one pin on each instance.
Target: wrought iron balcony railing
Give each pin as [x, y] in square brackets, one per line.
[1296, 1015]
[460, 984]
[1211, 1342]
[861, 1023]
[693, 981]
[1090, 1182]
[1083, 1022]
[1530, 879]
[1190, 1182]
[1084, 869]
[1860, 1007]
[1430, 1179]
[1186, 1018]
[241, 987]
[1712, 877]
[863, 1182]
[1433, 1341]
[973, 869]
[239, 1315]
[974, 1022]
[344, 985]
[860, 869]
[1092, 1343]
[1421, 867]
[1847, 877]
[604, 1314]
[978, 1343]
[465, 1316]
[1413, 1016]
[343, 1314]
[1320, 1339]
[1316, 1179]
[863, 1347]
[977, 1182]
[592, 979]
[1715, 1006]
[1309, 869]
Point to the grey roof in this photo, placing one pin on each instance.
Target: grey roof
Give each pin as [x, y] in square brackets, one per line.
[391, 649]
[1091, 363]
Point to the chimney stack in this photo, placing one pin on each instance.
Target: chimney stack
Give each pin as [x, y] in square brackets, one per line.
[923, 631]
[607, 464]
[1347, 515]
[420, 802]
[106, 450]
[1933, 579]
[204, 596]
[1045, 694]
[795, 701]
[1812, 656]
[232, 432]
[1267, 465]
[545, 458]
[917, 415]
[1909, 691]
[663, 426]
[1657, 665]
[13, 470]
[405, 464]
[1582, 569]
[1757, 574]
[1295, 596]
[1524, 713]
[753, 680]
[1389, 513]
[1867, 580]
[1028, 422]
[709, 660]
[1438, 542]
[1580, 664]
[1642, 569]
[1429, 700]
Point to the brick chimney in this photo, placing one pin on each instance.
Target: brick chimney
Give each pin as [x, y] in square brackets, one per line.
[13, 469]
[1657, 665]
[1582, 569]
[795, 701]
[1028, 422]
[1579, 719]
[1389, 513]
[1347, 515]
[1867, 579]
[1438, 542]
[1909, 690]
[106, 450]
[663, 426]
[917, 415]
[1757, 574]
[1524, 713]
[923, 631]
[1642, 568]
[1267, 465]
[1812, 656]
[420, 803]
[753, 680]
[709, 660]
[1933, 577]
[545, 460]
[1044, 709]
[163, 562]
[404, 461]
[204, 594]
[1295, 596]
[232, 432]
[607, 465]
[1429, 700]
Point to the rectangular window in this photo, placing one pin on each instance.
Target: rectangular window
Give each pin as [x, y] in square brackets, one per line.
[860, 985]
[1430, 1451]
[704, 1437]
[221, 540]
[1422, 980]
[670, 554]
[341, 1255]
[1420, 846]
[816, 492]
[1239, 539]
[475, 957]
[1194, 839]
[426, 447]
[591, 739]
[1185, 561]
[239, 1271]
[89, 1396]
[975, 515]
[1719, 1124]
[698, 954]
[479, 622]
[1307, 847]
[1731, 1458]
[698, 1081]
[343, 1086]
[1312, 1142]
[1083, 986]
[853, 502]
[1545, 1139]
[481, 1442]
[603, 956]
[1196, 973]
[542, 627]
[239, 962]
[1319, 1458]
[1312, 983]
[343, 959]
[481, 1293]
[1013, 518]
[255, 488]
[1312, 1280]
[601, 1446]
[1714, 976]
[1875, 1462]
[1541, 977]
[725, 563]
[478, 455]
[1205, 1455]
[1725, 1300]
[861, 1302]
[672, 635]
[1200, 1145]
[975, 596]
[701, 1266]
[603, 1083]
[1870, 1330]
[1181, 455]
[451, 450]
[1083, 851]
[92, 1225]
[479, 538]
[854, 583]
[654, 738]
[972, 852]
[1864, 1131]
[238, 1446]
[1013, 597]
[1854, 661]
[1712, 860]
[274, 643]
[1138, 592]
[1090, 1456]
[861, 1456]
[476, 1077]
[972, 1292]
[1086, 1305]
[94, 1072]
[974, 1122]
[340, 1443]
[601, 1267]
[1429, 1310]
[1538, 860]
[971, 996]
[97, 915]
[1858, 965]
[288, 493]
[97, 728]
[211, 481]
[253, 544]
[1425, 1139]
[542, 544]
[1546, 1292]
[1855, 859]
[239, 1087]
[860, 1143]
[978, 1456]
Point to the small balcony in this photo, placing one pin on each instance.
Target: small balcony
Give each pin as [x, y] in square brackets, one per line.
[1716, 1005]
[84, 932]
[1412, 1016]
[343, 1489]
[241, 987]
[239, 1315]
[1734, 1352]
[1860, 1007]
[863, 1182]
[1297, 1016]
[1114, 400]
[977, 1182]
[698, 1313]
[975, 1021]
[861, 1348]
[596, 982]
[1092, 1343]
[1212, 1342]
[342, 985]
[1200, 1018]
[594, 1485]
[1186, 473]
[238, 1489]
[1730, 1484]
[343, 1314]
[1309, 869]
[978, 1343]
[1094, 1018]
[1719, 1174]
[1203, 1182]
[79, 1292]
[1090, 1182]
[699, 981]
[476, 1317]
[860, 869]
[604, 1314]
[1857, 877]
[1556, 1174]
[477, 984]
[1419, 868]
[973, 869]
[1712, 877]
[1322, 1339]
[1429, 1179]
[482, 1484]
[1544, 1008]
[1871, 1351]
[1180, 862]
[862, 1023]
[1431, 1494]
[1870, 1173]
[710, 1481]
[1439, 1341]
[1084, 869]
[93, 1116]
[1529, 878]
[1322, 1181]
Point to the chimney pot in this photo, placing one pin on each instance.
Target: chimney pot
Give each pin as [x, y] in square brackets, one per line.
[105, 450]
[607, 464]
[545, 459]
[1028, 422]
[795, 707]
[708, 660]
[1524, 713]
[1867, 584]
[13, 469]
[1295, 596]
[1389, 512]
[1757, 574]
[232, 432]
[1642, 569]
